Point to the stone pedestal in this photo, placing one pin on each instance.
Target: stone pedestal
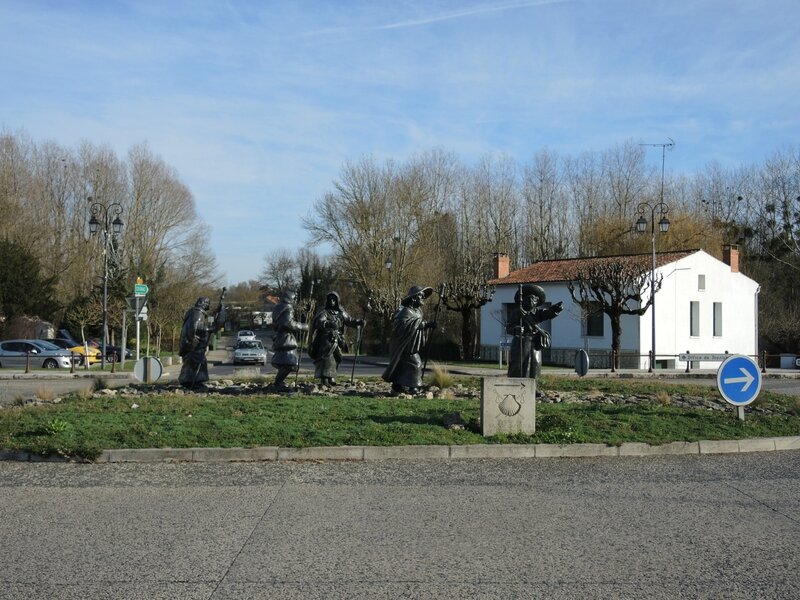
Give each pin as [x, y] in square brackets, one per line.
[508, 405]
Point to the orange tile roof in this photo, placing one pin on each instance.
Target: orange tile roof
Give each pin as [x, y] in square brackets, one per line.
[565, 269]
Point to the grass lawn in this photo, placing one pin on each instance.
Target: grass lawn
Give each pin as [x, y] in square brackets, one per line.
[83, 426]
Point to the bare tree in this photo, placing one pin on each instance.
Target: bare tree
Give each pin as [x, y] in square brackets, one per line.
[546, 210]
[279, 271]
[617, 285]
[584, 182]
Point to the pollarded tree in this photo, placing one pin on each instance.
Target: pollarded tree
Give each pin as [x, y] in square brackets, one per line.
[616, 285]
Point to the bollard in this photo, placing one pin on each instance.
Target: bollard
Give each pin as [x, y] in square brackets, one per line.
[688, 362]
[763, 361]
[28, 361]
[113, 361]
[71, 362]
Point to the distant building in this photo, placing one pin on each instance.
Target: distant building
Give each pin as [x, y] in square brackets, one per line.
[704, 306]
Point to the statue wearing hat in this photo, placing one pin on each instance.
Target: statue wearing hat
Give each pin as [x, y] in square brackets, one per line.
[327, 341]
[198, 327]
[408, 338]
[284, 343]
[523, 324]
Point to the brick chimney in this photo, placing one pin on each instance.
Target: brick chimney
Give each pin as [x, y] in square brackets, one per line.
[730, 256]
[502, 265]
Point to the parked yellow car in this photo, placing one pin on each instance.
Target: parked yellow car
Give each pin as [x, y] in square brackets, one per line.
[81, 351]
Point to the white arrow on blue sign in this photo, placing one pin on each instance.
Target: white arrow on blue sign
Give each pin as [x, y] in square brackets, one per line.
[739, 380]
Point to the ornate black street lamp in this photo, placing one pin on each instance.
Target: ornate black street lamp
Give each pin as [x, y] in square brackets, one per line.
[663, 226]
[107, 227]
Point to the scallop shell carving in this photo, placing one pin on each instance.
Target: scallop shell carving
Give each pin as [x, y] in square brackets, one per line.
[509, 405]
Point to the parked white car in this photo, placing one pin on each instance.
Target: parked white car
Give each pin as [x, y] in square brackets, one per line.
[250, 351]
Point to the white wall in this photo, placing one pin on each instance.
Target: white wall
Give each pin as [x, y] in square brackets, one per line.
[565, 328]
[736, 292]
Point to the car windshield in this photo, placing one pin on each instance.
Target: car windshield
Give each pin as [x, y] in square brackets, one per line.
[246, 334]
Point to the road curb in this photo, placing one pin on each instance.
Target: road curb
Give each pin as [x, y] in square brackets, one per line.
[506, 451]
[370, 453]
[68, 375]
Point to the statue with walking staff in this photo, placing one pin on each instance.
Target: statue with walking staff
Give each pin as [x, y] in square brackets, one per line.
[286, 357]
[523, 324]
[327, 338]
[408, 337]
[196, 332]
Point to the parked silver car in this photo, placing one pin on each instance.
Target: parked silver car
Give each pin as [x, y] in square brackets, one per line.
[249, 351]
[41, 354]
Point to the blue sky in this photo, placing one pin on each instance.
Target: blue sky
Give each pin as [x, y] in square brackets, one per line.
[257, 104]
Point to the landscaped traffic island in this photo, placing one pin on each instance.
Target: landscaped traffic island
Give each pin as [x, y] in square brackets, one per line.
[250, 413]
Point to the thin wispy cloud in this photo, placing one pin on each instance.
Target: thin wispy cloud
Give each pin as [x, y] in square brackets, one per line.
[439, 18]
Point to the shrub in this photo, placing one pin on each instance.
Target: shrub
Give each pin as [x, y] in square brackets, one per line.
[441, 378]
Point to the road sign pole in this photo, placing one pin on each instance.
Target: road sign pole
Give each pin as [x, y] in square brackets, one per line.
[740, 412]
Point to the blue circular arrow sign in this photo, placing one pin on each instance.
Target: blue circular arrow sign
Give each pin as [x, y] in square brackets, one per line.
[739, 380]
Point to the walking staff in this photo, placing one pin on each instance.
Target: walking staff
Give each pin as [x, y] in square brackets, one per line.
[441, 292]
[307, 334]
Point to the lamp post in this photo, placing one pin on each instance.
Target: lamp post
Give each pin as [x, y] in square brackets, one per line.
[107, 227]
[656, 209]
[663, 226]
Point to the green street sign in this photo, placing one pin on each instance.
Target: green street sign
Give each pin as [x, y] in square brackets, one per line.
[140, 289]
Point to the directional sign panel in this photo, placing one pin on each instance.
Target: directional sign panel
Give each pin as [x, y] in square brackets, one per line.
[739, 380]
[140, 289]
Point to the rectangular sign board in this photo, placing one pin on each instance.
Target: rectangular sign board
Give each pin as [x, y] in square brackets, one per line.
[140, 289]
[703, 357]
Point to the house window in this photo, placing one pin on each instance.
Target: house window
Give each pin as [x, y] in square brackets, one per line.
[593, 320]
[694, 319]
[507, 308]
[717, 319]
[701, 283]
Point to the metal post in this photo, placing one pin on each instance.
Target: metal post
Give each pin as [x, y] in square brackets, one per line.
[123, 342]
[105, 296]
[663, 225]
[108, 227]
[653, 293]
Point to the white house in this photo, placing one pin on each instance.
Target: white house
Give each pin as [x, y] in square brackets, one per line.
[704, 306]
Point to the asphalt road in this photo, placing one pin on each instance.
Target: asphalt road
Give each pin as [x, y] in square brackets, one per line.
[719, 526]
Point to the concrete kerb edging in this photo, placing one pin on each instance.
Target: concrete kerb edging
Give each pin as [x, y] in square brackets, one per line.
[368, 453]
